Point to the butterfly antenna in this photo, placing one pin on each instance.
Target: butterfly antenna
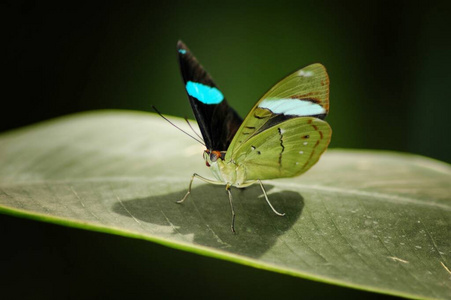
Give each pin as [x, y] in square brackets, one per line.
[189, 124]
[197, 140]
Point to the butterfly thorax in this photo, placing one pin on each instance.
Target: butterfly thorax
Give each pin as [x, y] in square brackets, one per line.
[225, 171]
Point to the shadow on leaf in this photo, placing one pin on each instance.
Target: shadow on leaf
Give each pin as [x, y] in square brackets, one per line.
[205, 217]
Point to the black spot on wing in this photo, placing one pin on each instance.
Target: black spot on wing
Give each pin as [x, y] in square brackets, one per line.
[281, 145]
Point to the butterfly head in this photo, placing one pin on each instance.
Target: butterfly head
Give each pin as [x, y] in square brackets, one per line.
[212, 156]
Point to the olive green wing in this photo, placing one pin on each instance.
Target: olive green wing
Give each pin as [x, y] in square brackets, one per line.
[288, 149]
[304, 93]
[310, 83]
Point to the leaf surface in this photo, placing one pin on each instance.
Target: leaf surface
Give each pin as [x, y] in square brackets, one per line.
[377, 221]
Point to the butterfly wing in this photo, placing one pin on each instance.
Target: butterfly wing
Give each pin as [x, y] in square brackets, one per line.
[310, 86]
[288, 149]
[218, 122]
[304, 93]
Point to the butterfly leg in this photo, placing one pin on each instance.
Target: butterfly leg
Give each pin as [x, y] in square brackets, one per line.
[267, 200]
[231, 206]
[191, 183]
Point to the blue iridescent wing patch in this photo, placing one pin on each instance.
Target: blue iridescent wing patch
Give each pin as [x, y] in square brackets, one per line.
[204, 93]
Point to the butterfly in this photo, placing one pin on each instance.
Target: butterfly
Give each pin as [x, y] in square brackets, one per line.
[283, 135]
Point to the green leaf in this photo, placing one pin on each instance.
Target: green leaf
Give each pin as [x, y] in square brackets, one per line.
[377, 221]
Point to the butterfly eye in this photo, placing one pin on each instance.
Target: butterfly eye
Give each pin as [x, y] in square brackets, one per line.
[214, 156]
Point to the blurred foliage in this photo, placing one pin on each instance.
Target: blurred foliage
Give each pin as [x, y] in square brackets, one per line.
[388, 61]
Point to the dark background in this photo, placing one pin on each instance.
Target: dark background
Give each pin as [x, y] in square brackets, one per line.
[388, 63]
